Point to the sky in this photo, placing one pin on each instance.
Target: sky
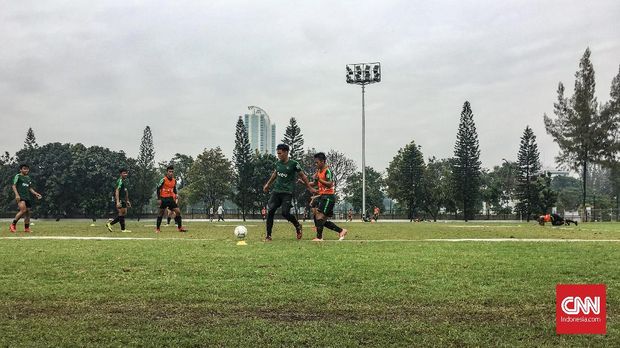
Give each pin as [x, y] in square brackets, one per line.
[99, 72]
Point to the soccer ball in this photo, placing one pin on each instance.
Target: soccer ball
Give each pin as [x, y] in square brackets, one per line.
[241, 232]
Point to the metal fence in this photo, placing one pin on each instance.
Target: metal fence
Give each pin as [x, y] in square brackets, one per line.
[594, 215]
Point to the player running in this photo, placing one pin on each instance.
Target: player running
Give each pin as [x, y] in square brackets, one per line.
[167, 198]
[323, 204]
[22, 187]
[283, 180]
[122, 202]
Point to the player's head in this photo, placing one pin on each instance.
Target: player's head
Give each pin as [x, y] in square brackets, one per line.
[123, 172]
[24, 169]
[319, 160]
[170, 172]
[282, 152]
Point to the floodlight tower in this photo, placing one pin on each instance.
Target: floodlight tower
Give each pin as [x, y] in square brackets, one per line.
[361, 74]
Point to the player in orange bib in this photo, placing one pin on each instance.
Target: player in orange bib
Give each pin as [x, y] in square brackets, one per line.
[167, 198]
[323, 204]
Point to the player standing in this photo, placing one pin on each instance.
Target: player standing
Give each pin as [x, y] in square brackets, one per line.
[22, 187]
[121, 198]
[167, 198]
[325, 202]
[283, 179]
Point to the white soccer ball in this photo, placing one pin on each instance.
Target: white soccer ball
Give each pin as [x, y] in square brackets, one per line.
[241, 232]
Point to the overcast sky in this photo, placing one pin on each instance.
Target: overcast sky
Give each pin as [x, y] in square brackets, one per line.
[99, 72]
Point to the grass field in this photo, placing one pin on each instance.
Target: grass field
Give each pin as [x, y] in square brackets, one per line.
[386, 285]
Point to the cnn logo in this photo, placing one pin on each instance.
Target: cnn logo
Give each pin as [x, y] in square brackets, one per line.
[575, 305]
[581, 309]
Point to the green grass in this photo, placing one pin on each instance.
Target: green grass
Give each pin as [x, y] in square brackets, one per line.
[200, 289]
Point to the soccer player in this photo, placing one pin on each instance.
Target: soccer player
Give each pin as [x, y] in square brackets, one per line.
[283, 179]
[375, 214]
[220, 213]
[324, 203]
[211, 214]
[22, 187]
[263, 213]
[121, 198]
[167, 198]
[350, 215]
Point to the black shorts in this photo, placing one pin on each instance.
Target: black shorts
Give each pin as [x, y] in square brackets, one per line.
[28, 204]
[326, 205]
[168, 202]
[280, 199]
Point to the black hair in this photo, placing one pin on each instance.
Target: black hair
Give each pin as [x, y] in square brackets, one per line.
[22, 166]
[283, 147]
[123, 170]
[320, 156]
[169, 168]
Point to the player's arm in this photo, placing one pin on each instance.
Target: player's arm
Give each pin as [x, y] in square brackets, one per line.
[117, 193]
[328, 175]
[273, 177]
[305, 181]
[14, 187]
[35, 193]
[127, 198]
[158, 191]
[176, 194]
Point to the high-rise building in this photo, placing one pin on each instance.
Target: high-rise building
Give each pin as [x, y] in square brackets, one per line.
[261, 132]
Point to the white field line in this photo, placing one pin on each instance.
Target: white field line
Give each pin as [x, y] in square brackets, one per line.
[452, 240]
[105, 238]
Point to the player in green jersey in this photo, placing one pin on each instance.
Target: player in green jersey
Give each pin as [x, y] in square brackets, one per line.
[121, 197]
[22, 187]
[283, 179]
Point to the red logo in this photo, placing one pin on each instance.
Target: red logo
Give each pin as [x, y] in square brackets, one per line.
[580, 309]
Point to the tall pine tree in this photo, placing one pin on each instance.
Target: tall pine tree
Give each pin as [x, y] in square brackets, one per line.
[31, 141]
[528, 161]
[294, 139]
[466, 164]
[242, 158]
[583, 134]
[145, 178]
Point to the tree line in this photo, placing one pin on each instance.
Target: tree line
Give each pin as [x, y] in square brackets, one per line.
[78, 180]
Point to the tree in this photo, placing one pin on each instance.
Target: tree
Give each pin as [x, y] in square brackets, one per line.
[263, 165]
[94, 171]
[583, 134]
[181, 163]
[209, 178]
[466, 164]
[145, 177]
[50, 171]
[374, 193]
[404, 180]
[294, 139]
[437, 192]
[342, 167]
[8, 169]
[31, 141]
[528, 160]
[242, 158]
[546, 197]
[569, 192]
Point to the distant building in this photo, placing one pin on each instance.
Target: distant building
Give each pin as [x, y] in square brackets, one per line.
[261, 132]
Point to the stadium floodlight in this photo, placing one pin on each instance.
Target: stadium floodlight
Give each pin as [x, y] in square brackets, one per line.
[371, 74]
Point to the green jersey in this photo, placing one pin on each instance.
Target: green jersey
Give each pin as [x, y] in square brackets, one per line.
[23, 184]
[122, 190]
[286, 176]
